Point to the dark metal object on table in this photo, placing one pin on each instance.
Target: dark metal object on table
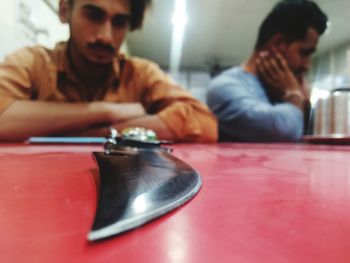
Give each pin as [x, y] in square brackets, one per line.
[140, 181]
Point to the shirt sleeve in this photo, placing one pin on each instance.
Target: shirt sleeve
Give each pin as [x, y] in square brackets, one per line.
[245, 116]
[186, 117]
[15, 77]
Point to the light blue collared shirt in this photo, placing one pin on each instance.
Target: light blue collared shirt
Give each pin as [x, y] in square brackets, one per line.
[245, 112]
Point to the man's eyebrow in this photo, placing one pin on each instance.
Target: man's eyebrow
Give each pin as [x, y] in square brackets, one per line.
[93, 8]
[124, 16]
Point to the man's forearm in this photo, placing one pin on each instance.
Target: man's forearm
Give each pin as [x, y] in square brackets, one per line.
[152, 122]
[23, 119]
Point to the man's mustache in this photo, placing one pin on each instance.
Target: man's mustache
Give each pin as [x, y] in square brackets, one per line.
[101, 46]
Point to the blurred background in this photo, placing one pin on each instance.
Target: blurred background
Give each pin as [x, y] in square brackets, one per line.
[193, 40]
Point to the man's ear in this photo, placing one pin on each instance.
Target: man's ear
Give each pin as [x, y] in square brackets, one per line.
[278, 41]
[64, 11]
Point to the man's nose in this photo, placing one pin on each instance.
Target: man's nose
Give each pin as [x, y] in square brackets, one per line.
[105, 34]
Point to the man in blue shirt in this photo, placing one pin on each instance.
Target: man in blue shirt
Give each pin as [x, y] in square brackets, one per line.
[264, 98]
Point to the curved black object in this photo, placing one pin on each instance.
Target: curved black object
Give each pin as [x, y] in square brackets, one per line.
[138, 185]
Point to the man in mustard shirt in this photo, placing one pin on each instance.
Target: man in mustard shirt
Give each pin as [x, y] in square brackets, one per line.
[83, 86]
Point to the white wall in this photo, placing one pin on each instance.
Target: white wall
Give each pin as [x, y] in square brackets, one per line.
[196, 81]
[28, 22]
[329, 71]
[332, 69]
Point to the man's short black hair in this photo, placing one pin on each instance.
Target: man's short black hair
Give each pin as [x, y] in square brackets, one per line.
[292, 19]
[138, 8]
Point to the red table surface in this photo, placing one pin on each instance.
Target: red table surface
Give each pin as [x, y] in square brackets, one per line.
[259, 203]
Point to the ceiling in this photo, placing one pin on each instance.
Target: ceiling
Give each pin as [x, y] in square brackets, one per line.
[222, 31]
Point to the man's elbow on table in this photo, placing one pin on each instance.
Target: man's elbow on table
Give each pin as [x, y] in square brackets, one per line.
[7, 134]
[190, 123]
[289, 130]
[209, 131]
[6, 131]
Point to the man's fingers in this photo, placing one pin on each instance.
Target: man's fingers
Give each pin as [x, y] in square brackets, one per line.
[264, 70]
[274, 66]
[272, 63]
[282, 63]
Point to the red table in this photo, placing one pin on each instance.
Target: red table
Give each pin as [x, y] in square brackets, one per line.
[259, 203]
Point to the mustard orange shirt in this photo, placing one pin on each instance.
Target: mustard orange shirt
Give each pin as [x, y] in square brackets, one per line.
[37, 73]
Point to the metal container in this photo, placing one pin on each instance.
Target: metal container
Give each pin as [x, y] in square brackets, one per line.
[321, 122]
[331, 114]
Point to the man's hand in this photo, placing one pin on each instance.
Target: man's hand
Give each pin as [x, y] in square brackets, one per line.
[23, 119]
[274, 71]
[120, 112]
[152, 122]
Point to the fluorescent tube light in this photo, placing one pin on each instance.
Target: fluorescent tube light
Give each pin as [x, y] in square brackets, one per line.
[179, 21]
